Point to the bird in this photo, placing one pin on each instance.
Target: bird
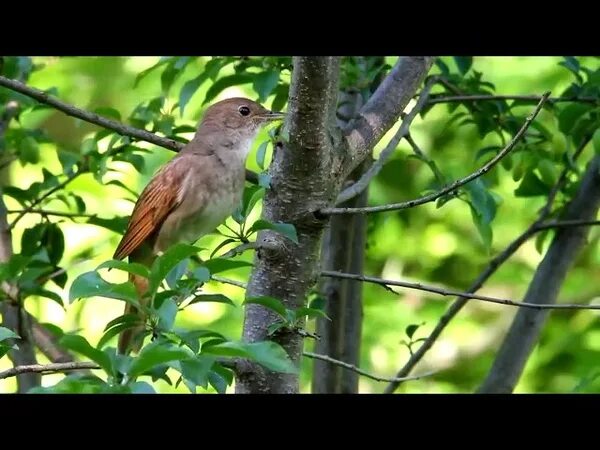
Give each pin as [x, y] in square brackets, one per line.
[191, 195]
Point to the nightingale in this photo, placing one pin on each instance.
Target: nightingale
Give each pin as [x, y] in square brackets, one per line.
[192, 194]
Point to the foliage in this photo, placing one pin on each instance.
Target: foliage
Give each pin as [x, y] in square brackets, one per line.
[61, 264]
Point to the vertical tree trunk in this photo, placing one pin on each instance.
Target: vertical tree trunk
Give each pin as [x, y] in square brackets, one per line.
[545, 287]
[304, 173]
[343, 250]
[14, 316]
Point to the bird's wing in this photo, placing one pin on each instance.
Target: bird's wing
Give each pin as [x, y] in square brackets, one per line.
[162, 195]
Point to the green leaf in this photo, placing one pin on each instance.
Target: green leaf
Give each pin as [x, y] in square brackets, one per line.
[223, 83]
[218, 265]
[146, 72]
[265, 83]
[166, 314]
[310, 313]
[481, 200]
[189, 89]
[288, 230]
[531, 186]
[116, 224]
[218, 298]
[80, 345]
[197, 369]
[463, 63]
[192, 338]
[5, 334]
[221, 245]
[135, 268]
[270, 303]
[41, 292]
[118, 325]
[141, 387]
[274, 327]
[155, 354]
[260, 154]
[281, 97]
[264, 180]
[90, 284]
[167, 261]
[548, 171]
[484, 228]
[108, 112]
[570, 115]
[267, 353]
[596, 141]
[411, 329]
[29, 151]
[318, 303]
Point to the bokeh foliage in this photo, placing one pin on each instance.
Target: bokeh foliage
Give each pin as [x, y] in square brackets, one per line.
[447, 243]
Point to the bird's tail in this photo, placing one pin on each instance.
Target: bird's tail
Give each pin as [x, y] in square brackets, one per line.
[131, 339]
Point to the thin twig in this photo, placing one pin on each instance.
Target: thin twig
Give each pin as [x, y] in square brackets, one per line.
[87, 116]
[118, 127]
[360, 185]
[47, 368]
[446, 292]
[490, 269]
[228, 281]
[528, 98]
[239, 250]
[362, 372]
[452, 186]
[39, 200]
[566, 223]
[43, 212]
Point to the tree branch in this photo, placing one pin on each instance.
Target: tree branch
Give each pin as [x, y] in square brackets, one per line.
[47, 368]
[356, 188]
[545, 286]
[529, 98]
[491, 268]
[43, 212]
[87, 116]
[363, 372]
[447, 292]
[384, 107]
[14, 317]
[96, 119]
[39, 200]
[305, 173]
[452, 186]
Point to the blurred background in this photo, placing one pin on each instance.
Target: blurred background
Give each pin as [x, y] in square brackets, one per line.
[427, 244]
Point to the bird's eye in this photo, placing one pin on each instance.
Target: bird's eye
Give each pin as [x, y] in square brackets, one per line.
[244, 110]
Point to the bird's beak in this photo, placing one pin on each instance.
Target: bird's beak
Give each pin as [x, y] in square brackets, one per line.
[273, 115]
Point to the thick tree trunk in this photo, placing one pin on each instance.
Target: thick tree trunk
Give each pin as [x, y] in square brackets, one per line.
[303, 179]
[343, 250]
[545, 287]
[14, 316]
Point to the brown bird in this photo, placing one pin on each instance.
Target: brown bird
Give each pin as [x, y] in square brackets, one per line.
[192, 194]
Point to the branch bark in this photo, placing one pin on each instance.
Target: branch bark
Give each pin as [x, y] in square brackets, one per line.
[384, 107]
[452, 186]
[96, 119]
[302, 180]
[14, 316]
[38, 369]
[545, 287]
[341, 331]
[447, 292]
[491, 268]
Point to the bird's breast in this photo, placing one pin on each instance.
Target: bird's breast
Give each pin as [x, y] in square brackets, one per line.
[207, 200]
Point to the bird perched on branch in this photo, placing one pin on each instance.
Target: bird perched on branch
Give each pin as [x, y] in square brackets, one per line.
[192, 194]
